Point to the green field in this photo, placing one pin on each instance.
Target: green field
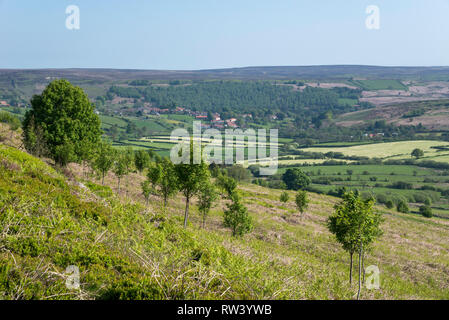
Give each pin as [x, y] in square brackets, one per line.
[379, 84]
[390, 150]
[378, 180]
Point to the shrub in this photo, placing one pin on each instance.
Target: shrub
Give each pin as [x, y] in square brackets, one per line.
[426, 211]
[11, 120]
[402, 207]
[389, 204]
[236, 217]
[402, 185]
[284, 197]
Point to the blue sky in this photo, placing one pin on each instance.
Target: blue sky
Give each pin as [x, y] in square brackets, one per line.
[204, 34]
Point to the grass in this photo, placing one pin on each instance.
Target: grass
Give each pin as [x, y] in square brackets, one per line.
[128, 251]
[393, 150]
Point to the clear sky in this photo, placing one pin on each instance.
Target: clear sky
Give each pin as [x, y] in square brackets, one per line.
[204, 34]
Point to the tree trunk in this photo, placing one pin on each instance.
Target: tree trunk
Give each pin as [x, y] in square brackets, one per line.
[186, 215]
[165, 201]
[363, 266]
[102, 180]
[119, 185]
[350, 268]
[360, 271]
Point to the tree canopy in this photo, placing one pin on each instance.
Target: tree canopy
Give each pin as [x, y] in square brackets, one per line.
[66, 119]
[295, 179]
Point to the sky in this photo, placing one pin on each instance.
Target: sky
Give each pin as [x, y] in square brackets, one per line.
[209, 34]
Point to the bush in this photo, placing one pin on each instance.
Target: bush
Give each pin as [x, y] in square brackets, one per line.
[426, 211]
[402, 185]
[236, 218]
[284, 197]
[8, 118]
[389, 204]
[239, 173]
[402, 207]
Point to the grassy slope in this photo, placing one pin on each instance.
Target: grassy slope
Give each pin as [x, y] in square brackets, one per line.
[124, 250]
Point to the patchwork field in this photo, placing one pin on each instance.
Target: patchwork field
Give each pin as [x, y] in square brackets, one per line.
[391, 150]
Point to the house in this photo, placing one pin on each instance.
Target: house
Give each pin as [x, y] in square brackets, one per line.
[231, 123]
[201, 117]
[4, 104]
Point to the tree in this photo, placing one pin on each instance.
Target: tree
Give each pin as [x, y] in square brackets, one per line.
[168, 180]
[236, 217]
[146, 190]
[121, 166]
[207, 195]
[295, 179]
[356, 226]
[70, 128]
[284, 197]
[154, 174]
[426, 211]
[417, 153]
[163, 178]
[190, 177]
[141, 160]
[301, 200]
[402, 207]
[104, 159]
[227, 185]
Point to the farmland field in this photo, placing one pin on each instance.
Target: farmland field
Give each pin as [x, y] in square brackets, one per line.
[394, 150]
[379, 84]
[382, 181]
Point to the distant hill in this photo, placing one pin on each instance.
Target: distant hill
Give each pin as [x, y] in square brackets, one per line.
[431, 114]
[334, 72]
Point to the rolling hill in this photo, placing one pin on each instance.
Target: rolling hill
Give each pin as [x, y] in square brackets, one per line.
[52, 218]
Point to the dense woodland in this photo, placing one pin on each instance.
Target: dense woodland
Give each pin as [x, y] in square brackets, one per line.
[260, 99]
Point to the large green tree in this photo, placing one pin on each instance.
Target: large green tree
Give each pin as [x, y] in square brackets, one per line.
[295, 179]
[66, 120]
